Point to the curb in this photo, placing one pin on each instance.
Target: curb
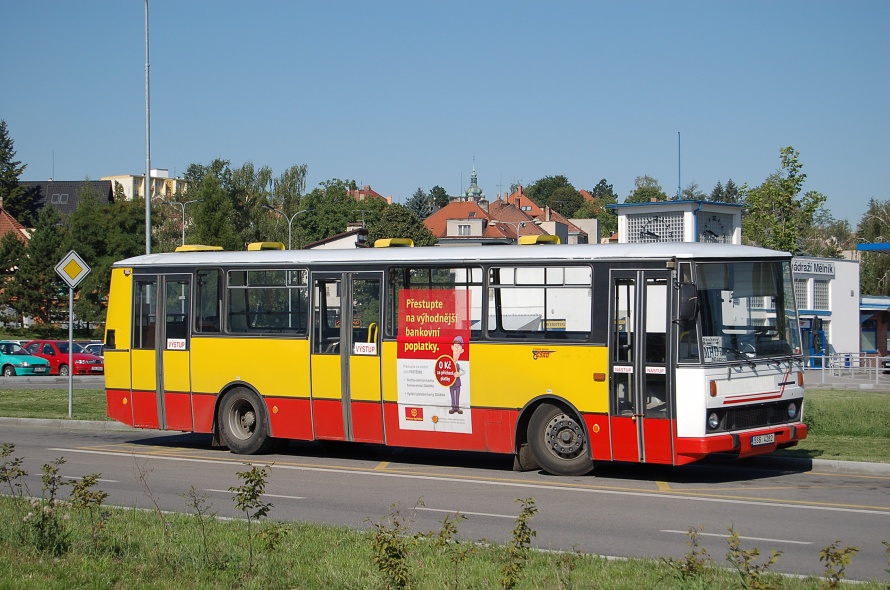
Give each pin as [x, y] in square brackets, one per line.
[763, 462]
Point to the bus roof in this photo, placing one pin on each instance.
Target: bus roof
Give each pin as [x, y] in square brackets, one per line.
[459, 254]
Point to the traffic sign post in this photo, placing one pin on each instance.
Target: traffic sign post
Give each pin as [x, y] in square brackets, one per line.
[72, 269]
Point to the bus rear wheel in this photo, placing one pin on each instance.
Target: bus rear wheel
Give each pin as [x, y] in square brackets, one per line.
[558, 441]
[243, 424]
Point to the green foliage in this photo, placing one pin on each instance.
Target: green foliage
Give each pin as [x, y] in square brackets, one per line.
[36, 290]
[646, 189]
[744, 561]
[214, 216]
[874, 267]
[84, 497]
[10, 169]
[420, 203]
[693, 193]
[694, 565]
[249, 499]
[397, 221]
[44, 526]
[827, 237]
[517, 550]
[727, 194]
[391, 544]
[557, 193]
[778, 214]
[603, 194]
[836, 560]
[11, 471]
[440, 196]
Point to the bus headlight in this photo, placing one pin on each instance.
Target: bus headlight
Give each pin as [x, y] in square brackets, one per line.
[792, 410]
[713, 420]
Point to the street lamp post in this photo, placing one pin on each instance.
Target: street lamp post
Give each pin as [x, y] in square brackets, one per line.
[290, 221]
[182, 206]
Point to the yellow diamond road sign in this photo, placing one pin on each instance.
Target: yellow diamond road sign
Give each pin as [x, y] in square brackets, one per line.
[72, 269]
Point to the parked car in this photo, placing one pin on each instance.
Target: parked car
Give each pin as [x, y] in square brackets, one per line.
[96, 348]
[15, 361]
[56, 352]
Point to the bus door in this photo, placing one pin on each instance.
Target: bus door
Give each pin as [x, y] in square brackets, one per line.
[641, 398]
[160, 363]
[347, 401]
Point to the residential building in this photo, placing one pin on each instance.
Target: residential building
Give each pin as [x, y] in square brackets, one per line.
[65, 195]
[162, 184]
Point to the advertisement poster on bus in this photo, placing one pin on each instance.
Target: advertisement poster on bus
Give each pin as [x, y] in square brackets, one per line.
[434, 360]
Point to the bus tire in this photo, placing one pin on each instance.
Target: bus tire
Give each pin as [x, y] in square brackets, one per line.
[558, 441]
[243, 424]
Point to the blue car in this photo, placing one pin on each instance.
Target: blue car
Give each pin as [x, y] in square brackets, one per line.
[15, 361]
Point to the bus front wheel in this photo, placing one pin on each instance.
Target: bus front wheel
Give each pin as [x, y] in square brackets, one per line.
[243, 425]
[558, 441]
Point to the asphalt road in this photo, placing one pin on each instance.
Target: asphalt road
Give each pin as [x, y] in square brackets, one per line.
[619, 510]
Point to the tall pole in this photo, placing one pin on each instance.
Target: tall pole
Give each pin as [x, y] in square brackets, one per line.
[678, 166]
[147, 146]
[182, 206]
[290, 221]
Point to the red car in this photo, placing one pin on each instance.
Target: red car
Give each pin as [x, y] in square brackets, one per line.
[56, 352]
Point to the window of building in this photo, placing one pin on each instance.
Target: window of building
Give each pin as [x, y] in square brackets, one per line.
[463, 229]
[801, 293]
[869, 336]
[820, 294]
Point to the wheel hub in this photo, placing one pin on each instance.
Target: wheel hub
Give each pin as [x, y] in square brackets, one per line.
[565, 437]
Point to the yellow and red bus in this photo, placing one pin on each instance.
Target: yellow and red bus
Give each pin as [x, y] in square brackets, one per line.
[562, 355]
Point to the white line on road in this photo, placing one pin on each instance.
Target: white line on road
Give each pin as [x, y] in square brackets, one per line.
[264, 495]
[511, 484]
[745, 538]
[510, 516]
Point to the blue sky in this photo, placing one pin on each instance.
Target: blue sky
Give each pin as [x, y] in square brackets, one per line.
[401, 95]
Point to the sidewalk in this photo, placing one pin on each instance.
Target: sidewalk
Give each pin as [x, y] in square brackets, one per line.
[840, 379]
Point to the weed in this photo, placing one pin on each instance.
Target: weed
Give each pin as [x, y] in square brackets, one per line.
[694, 564]
[391, 544]
[11, 471]
[44, 527]
[84, 497]
[458, 553]
[567, 562]
[202, 507]
[836, 561]
[248, 499]
[745, 563]
[518, 547]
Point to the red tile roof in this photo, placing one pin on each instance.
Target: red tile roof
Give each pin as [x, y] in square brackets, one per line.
[8, 223]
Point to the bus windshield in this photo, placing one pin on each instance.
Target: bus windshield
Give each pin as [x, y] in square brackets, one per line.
[746, 310]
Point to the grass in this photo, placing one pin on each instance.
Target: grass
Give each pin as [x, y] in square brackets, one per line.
[148, 549]
[87, 404]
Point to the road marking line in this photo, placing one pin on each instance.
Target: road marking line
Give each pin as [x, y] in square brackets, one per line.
[381, 466]
[455, 512]
[264, 495]
[745, 538]
[512, 483]
[102, 480]
[663, 486]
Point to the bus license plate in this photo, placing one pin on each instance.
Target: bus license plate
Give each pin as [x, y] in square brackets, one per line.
[763, 439]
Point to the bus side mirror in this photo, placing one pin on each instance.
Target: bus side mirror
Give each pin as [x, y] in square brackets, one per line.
[688, 302]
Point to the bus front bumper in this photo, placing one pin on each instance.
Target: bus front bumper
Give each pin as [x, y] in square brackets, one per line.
[745, 444]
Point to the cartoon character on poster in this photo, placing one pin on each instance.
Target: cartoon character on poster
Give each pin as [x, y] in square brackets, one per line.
[433, 360]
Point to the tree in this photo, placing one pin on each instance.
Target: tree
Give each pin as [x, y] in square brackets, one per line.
[827, 237]
[400, 222]
[36, 288]
[777, 213]
[693, 193]
[603, 194]
[12, 255]
[420, 203]
[725, 194]
[874, 267]
[11, 194]
[214, 216]
[557, 193]
[440, 196]
[646, 189]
